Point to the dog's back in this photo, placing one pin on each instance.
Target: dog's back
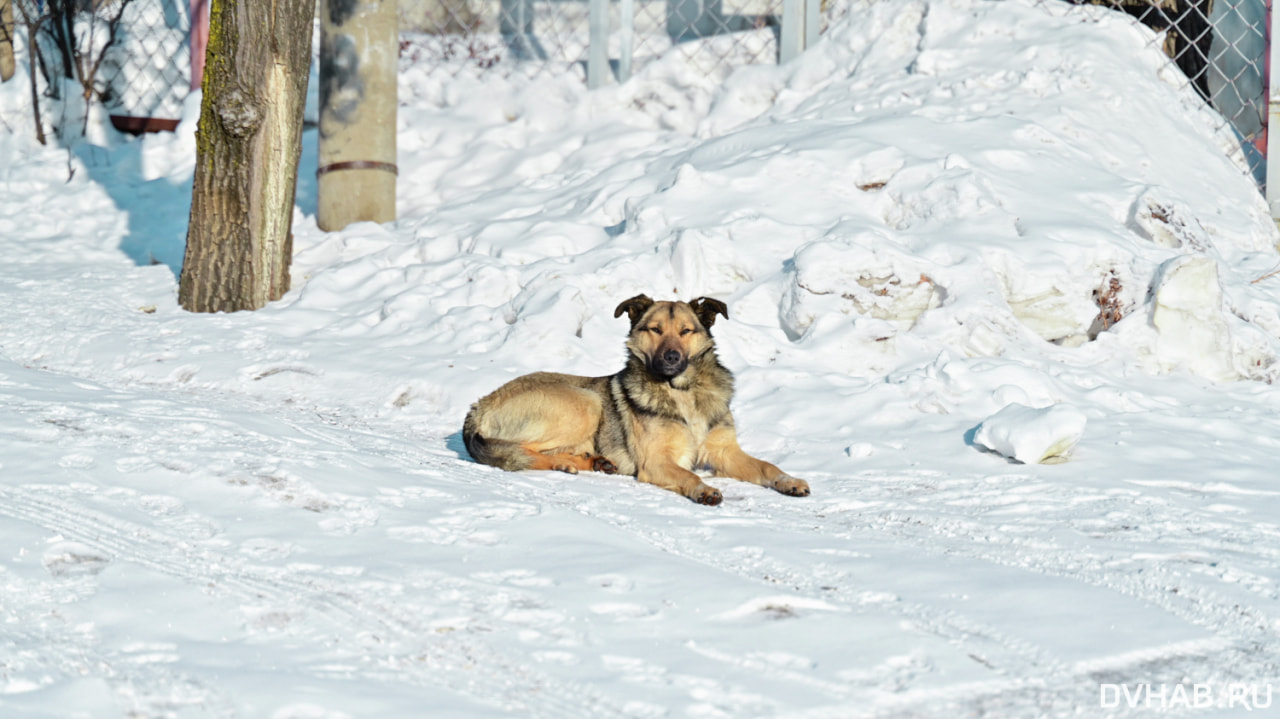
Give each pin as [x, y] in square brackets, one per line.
[540, 415]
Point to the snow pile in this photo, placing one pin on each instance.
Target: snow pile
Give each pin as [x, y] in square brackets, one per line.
[1032, 435]
[947, 175]
[946, 210]
[927, 178]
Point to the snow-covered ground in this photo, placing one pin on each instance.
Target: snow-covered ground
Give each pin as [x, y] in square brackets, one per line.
[945, 209]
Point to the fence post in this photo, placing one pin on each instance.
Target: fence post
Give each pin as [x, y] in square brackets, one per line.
[7, 62]
[357, 173]
[626, 37]
[799, 27]
[1273, 114]
[598, 43]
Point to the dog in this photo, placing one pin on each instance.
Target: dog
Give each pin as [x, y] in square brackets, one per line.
[660, 418]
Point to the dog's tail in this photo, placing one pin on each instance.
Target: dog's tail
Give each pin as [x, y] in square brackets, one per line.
[500, 453]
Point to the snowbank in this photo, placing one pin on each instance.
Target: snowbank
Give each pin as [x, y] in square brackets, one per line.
[946, 208]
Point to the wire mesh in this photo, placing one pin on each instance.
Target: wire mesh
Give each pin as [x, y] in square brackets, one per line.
[1219, 46]
[1220, 49]
[146, 72]
[130, 55]
[533, 37]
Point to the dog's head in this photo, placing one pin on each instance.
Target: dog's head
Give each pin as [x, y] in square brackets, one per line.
[667, 335]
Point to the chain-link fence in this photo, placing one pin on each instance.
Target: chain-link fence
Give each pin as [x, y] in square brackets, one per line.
[1220, 46]
[147, 71]
[533, 37]
[129, 55]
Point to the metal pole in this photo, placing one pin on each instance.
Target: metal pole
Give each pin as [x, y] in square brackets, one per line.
[800, 27]
[812, 16]
[791, 34]
[626, 36]
[598, 47]
[1273, 114]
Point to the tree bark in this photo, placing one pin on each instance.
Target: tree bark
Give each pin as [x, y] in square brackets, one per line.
[239, 240]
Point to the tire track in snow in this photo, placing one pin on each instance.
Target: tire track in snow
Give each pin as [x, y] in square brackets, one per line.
[465, 666]
[934, 522]
[403, 645]
[991, 646]
[1245, 635]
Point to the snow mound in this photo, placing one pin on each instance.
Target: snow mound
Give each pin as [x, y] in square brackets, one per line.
[1032, 435]
[990, 180]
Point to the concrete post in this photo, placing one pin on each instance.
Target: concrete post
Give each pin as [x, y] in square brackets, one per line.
[357, 165]
[7, 63]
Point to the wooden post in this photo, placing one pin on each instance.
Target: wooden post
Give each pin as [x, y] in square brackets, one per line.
[359, 44]
[239, 239]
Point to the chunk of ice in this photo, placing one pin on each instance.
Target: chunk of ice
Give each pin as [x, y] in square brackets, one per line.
[1032, 435]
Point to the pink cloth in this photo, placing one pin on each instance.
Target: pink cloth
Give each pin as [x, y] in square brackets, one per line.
[199, 39]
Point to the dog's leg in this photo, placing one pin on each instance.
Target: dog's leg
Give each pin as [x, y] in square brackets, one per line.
[669, 475]
[571, 463]
[726, 458]
[663, 454]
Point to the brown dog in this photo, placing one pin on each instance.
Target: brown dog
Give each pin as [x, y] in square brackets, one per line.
[664, 415]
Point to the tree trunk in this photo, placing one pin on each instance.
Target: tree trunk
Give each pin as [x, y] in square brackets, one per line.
[239, 241]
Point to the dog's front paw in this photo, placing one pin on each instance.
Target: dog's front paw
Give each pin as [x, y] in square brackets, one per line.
[600, 463]
[791, 486]
[706, 494]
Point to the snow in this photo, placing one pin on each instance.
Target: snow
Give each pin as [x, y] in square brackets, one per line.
[1032, 435]
[944, 209]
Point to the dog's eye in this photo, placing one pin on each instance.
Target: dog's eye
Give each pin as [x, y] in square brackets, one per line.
[655, 330]
[685, 331]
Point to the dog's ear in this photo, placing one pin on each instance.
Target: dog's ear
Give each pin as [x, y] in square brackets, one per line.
[706, 308]
[634, 307]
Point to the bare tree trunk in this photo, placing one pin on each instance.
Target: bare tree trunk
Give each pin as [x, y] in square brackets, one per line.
[239, 240]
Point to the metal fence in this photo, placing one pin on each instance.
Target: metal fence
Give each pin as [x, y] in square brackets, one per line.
[130, 55]
[533, 37]
[1220, 46]
[147, 72]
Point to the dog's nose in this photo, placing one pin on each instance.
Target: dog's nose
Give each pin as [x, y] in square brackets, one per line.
[671, 357]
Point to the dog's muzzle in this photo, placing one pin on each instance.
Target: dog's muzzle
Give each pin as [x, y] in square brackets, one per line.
[668, 363]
